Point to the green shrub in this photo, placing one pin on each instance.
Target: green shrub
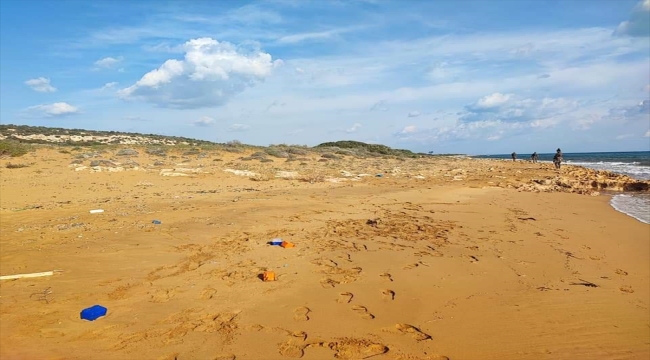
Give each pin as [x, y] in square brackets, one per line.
[13, 148]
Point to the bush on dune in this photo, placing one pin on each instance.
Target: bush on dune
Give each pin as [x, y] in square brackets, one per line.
[13, 148]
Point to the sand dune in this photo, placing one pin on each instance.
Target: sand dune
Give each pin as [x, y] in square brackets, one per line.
[439, 258]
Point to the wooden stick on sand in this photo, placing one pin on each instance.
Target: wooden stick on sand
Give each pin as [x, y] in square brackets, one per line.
[32, 275]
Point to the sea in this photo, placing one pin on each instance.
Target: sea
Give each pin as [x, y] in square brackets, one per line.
[635, 164]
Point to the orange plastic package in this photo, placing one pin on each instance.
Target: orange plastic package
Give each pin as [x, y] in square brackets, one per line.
[268, 276]
[286, 244]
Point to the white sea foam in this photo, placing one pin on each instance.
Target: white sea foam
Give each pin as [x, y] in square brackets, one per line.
[636, 206]
[630, 169]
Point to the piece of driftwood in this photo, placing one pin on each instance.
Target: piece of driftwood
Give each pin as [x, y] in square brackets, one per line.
[32, 275]
[584, 283]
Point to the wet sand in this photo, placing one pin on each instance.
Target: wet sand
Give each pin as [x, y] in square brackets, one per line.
[420, 263]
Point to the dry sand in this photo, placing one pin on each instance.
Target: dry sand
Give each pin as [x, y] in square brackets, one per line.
[454, 267]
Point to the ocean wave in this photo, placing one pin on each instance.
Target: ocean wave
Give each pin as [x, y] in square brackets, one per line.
[639, 172]
[636, 206]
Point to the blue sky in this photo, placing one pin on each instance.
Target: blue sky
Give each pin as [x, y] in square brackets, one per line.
[476, 77]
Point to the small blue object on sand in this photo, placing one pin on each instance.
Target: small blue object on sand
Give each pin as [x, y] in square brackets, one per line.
[379, 175]
[157, 222]
[93, 312]
[275, 242]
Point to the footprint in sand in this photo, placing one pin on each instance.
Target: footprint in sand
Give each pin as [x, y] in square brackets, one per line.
[329, 283]
[388, 294]
[626, 289]
[412, 266]
[301, 313]
[345, 297]
[291, 350]
[350, 348]
[162, 296]
[208, 293]
[416, 333]
[386, 276]
[621, 272]
[363, 312]
[300, 335]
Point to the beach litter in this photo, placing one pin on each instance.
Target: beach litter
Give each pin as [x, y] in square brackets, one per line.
[156, 222]
[287, 244]
[93, 313]
[96, 211]
[268, 276]
[275, 242]
[32, 275]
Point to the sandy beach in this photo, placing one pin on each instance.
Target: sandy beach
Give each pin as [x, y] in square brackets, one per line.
[437, 258]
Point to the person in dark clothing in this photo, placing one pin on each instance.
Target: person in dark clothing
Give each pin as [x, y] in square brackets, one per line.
[557, 158]
[514, 156]
[534, 157]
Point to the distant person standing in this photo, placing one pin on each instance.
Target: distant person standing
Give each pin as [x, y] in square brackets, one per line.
[557, 158]
[534, 157]
[514, 156]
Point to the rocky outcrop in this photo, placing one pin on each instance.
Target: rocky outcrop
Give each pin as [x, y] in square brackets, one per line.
[585, 181]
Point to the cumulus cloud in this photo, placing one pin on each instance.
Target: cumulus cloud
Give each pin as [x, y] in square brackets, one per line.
[411, 129]
[210, 74]
[354, 128]
[414, 114]
[640, 111]
[510, 108]
[204, 121]
[483, 130]
[490, 102]
[639, 22]
[40, 84]
[238, 127]
[108, 62]
[54, 110]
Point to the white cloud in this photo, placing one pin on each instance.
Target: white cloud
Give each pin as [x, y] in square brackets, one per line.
[318, 35]
[354, 128]
[639, 22]
[238, 127]
[55, 109]
[492, 101]
[108, 62]
[211, 73]
[40, 84]
[414, 114]
[109, 85]
[625, 114]
[204, 121]
[409, 129]
[509, 108]
[647, 134]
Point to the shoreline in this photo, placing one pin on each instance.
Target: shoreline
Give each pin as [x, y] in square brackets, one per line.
[457, 249]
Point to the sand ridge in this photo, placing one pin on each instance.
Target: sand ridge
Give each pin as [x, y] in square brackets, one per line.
[438, 258]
